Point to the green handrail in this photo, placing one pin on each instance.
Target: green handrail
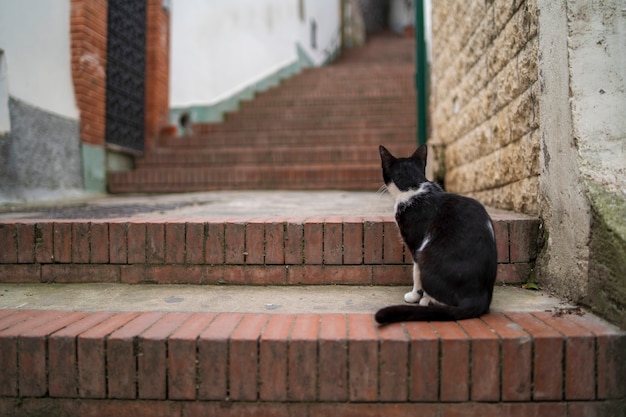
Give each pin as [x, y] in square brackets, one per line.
[421, 73]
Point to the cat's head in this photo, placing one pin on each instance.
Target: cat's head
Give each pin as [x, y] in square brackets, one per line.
[403, 174]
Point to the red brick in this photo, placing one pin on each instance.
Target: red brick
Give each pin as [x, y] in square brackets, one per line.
[72, 273]
[302, 358]
[33, 355]
[118, 244]
[274, 243]
[610, 349]
[81, 249]
[91, 356]
[214, 250]
[122, 356]
[43, 243]
[194, 243]
[363, 360]
[213, 357]
[152, 356]
[333, 358]
[516, 346]
[373, 410]
[392, 274]
[372, 241]
[313, 241]
[273, 363]
[99, 233]
[514, 409]
[423, 362]
[333, 241]
[238, 409]
[155, 243]
[20, 273]
[393, 359]
[294, 243]
[547, 357]
[25, 233]
[485, 378]
[243, 357]
[353, 241]
[9, 348]
[62, 242]
[513, 273]
[524, 240]
[63, 371]
[8, 241]
[580, 382]
[136, 243]
[234, 243]
[393, 251]
[329, 274]
[455, 360]
[175, 243]
[182, 358]
[255, 274]
[501, 230]
[255, 242]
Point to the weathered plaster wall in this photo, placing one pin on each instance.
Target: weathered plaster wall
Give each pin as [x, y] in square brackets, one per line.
[39, 152]
[583, 76]
[223, 52]
[483, 101]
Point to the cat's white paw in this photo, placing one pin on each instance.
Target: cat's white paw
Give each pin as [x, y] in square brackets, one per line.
[412, 297]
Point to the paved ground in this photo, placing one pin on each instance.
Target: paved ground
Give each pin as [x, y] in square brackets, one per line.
[248, 299]
[217, 204]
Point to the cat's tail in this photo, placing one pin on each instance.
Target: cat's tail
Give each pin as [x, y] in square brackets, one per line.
[399, 313]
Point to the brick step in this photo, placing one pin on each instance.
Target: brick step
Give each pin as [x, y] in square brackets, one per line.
[263, 155]
[339, 113]
[186, 247]
[231, 364]
[209, 138]
[250, 177]
[308, 123]
[265, 100]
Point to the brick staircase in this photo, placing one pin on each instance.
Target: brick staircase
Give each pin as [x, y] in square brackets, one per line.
[318, 130]
[103, 361]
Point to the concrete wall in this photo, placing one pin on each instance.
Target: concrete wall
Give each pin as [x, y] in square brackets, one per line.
[527, 103]
[583, 140]
[225, 51]
[35, 40]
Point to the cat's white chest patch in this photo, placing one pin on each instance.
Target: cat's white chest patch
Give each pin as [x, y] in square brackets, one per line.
[404, 197]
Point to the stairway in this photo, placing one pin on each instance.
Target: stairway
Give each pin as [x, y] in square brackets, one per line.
[97, 313]
[240, 355]
[317, 130]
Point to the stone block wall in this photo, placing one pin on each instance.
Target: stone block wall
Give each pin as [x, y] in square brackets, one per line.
[483, 101]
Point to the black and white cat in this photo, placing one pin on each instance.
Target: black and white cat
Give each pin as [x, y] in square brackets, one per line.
[451, 239]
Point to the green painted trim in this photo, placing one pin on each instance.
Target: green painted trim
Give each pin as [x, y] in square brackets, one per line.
[421, 73]
[94, 167]
[214, 113]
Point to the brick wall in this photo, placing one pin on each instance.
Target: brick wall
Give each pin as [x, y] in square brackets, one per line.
[157, 71]
[89, 54]
[483, 100]
[88, 23]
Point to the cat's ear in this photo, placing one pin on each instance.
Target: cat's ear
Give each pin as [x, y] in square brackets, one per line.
[421, 154]
[385, 156]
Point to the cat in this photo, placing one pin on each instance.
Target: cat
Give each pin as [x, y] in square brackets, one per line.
[451, 239]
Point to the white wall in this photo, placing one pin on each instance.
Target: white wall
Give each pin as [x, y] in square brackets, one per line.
[219, 47]
[327, 17]
[35, 37]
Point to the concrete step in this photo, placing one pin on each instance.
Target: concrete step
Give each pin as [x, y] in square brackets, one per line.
[229, 364]
[234, 238]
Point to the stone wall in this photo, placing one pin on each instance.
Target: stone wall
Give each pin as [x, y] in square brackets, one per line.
[483, 101]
